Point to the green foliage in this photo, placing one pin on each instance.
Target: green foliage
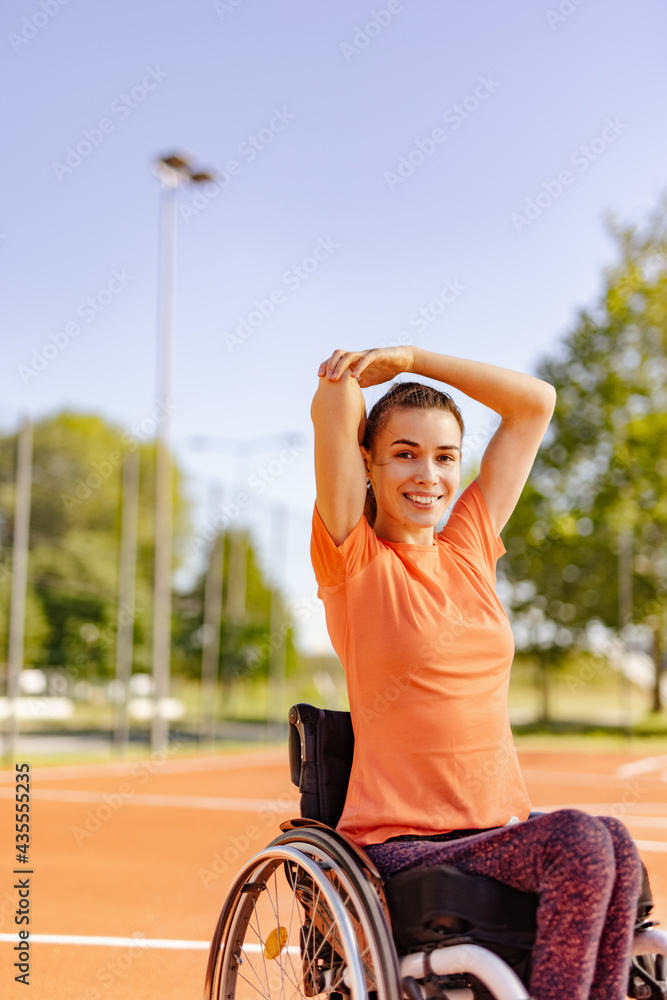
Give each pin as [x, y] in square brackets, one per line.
[73, 566]
[74, 542]
[248, 646]
[601, 476]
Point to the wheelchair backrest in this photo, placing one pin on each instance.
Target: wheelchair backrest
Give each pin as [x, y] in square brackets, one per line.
[321, 745]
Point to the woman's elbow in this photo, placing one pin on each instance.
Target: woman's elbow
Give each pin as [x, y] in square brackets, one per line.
[338, 399]
[550, 397]
[542, 399]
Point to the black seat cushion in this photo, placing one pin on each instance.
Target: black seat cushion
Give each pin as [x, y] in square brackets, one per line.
[427, 904]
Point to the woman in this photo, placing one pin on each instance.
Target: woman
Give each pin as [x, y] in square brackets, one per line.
[427, 650]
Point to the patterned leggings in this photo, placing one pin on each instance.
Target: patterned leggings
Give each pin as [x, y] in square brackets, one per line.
[588, 874]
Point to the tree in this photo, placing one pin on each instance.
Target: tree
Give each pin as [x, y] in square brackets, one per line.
[246, 640]
[595, 509]
[74, 536]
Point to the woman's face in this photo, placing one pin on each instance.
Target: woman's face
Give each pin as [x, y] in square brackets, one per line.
[415, 472]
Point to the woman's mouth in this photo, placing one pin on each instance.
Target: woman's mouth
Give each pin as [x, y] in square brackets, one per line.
[421, 500]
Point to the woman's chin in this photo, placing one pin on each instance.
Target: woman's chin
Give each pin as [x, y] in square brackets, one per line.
[423, 514]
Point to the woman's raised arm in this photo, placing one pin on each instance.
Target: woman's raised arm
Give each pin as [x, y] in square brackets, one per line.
[339, 417]
[525, 405]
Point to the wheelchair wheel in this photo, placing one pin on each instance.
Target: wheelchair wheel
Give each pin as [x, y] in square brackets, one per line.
[299, 921]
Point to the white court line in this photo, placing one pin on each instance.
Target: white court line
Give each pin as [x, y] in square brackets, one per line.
[643, 766]
[111, 942]
[132, 942]
[651, 846]
[609, 808]
[585, 780]
[657, 822]
[260, 758]
[163, 801]
[613, 809]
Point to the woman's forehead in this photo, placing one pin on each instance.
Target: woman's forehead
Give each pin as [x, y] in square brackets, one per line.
[428, 427]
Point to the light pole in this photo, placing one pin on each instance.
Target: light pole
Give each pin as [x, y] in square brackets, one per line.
[172, 171]
[276, 684]
[19, 580]
[126, 589]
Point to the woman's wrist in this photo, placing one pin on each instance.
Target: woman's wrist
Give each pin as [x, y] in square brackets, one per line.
[501, 389]
[422, 363]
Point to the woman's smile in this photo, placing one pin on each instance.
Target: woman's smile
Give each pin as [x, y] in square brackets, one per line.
[423, 499]
[415, 470]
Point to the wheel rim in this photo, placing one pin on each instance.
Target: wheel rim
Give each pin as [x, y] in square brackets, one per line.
[365, 886]
[290, 930]
[366, 938]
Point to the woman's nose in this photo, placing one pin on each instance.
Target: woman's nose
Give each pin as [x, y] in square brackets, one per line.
[427, 472]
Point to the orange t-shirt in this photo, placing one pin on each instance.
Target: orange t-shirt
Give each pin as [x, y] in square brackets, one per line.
[427, 650]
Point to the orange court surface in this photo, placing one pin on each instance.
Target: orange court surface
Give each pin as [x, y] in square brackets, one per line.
[130, 861]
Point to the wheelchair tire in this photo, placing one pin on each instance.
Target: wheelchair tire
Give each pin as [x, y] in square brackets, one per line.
[302, 920]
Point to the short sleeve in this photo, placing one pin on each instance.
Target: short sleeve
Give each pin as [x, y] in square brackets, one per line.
[470, 530]
[332, 563]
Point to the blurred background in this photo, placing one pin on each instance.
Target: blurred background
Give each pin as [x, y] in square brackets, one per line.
[203, 201]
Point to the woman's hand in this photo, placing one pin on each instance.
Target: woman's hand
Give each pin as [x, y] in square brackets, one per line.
[369, 367]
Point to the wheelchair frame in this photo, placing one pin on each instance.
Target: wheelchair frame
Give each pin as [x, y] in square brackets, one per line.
[308, 915]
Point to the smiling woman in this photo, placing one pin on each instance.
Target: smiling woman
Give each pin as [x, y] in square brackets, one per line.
[525, 405]
[435, 776]
[411, 450]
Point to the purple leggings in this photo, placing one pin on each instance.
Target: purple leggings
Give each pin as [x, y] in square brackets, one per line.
[588, 874]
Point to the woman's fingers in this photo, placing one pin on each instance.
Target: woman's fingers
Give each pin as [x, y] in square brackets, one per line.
[357, 361]
[327, 367]
[344, 363]
[339, 361]
[366, 359]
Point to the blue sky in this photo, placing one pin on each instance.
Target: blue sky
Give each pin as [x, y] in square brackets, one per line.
[321, 107]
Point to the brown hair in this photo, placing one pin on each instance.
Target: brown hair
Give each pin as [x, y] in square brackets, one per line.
[402, 396]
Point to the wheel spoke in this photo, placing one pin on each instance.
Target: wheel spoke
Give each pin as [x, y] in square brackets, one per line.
[276, 914]
[300, 920]
[298, 975]
[247, 960]
[252, 986]
[262, 944]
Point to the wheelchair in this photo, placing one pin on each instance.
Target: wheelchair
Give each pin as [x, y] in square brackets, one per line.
[310, 916]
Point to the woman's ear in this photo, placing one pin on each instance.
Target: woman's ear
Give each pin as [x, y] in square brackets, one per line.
[366, 458]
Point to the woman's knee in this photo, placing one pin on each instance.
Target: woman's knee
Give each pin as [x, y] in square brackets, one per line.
[618, 831]
[625, 850]
[586, 844]
[579, 828]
